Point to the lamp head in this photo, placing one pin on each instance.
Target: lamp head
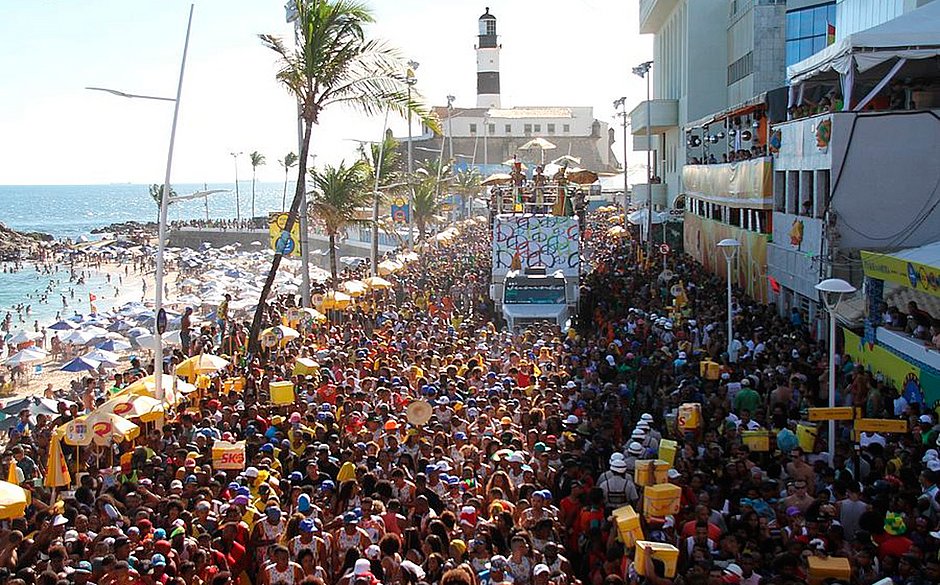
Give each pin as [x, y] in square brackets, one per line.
[729, 247]
[835, 285]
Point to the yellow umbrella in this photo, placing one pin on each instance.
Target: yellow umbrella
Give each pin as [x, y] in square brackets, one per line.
[387, 267]
[100, 428]
[314, 314]
[615, 219]
[617, 230]
[282, 331]
[377, 282]
[57, 470]
[146, 387]
[201, 364]
[131, 406]
[335, 300]
[13, 500]
[355, 288]
[408, 257]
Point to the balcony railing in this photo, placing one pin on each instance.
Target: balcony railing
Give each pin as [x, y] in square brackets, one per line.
[662, 116]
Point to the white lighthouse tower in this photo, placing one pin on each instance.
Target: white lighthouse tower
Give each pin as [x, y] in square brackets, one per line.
[488, 63]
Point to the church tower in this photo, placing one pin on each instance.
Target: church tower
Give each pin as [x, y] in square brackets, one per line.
[488, 63]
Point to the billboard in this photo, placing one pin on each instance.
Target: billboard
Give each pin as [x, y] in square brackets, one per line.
[281, 241]
[525, 241]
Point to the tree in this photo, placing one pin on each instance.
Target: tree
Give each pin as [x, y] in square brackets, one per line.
[334, 63]
[427, 203]
[288, 162]
[467, 184]
[390, 161]
[338, 194]
[156, 193]
[257, 160]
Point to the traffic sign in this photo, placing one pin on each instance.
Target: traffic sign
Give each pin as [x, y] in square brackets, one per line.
[835, 413]
[161, 321]
[880, 425]
[664, 249]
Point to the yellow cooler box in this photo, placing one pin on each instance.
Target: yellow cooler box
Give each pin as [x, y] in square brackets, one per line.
[757, 440]
[651, 472]
[666, 553]
[661, 500]
[628, 526]
[667, 451]
[806, 435]
[709, 370]
[690, 416]
[822, 568]
[282, 392]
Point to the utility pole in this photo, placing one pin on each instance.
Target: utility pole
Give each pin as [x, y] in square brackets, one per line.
[621, 103]
[411, 80]
[643, 70]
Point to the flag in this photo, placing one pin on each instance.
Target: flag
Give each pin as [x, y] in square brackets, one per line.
[12, 476]
[57, 470]
[830, 34]
[91, 302]
[92, 298]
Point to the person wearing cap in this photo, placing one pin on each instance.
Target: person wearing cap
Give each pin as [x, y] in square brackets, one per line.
[266, 533]
[347, 537]
[617, 485]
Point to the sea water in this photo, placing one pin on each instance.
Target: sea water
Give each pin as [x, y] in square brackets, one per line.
[72, 211]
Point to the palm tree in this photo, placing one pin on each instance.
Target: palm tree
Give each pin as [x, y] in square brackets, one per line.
[334, 63]
[338, 193]
[427, 203]
[257, 160]
[288, 162]
[156, 192]
[467, 184]
[382, 162]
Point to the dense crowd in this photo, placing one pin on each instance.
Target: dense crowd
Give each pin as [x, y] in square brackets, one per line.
[428, 445]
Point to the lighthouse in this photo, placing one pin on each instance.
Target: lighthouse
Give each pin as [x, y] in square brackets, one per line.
[488, 63]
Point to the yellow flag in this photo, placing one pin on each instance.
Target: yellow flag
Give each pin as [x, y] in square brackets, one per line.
[12, 476]
[57, 470]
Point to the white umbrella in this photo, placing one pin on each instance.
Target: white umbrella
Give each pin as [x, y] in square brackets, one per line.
[23, 336]
[149, 340]
[107, 358]
[27, 356]
[78, 337]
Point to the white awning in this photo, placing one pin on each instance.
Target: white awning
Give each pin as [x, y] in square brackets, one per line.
[915, 35]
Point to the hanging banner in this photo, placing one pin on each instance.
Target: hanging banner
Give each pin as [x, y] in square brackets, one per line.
[401, 211]
[920, 277]
[227, 455]
[285, 243]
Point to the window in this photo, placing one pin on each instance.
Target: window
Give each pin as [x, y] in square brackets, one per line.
[551, 128]
[780, 191]
[793, 192]
[491, 128]
[490, 27]
[538, 127]
[527, 128]
[807, 30]
[473, 128]
[741, 68]
[508, 128]
[566, 128]
[822, 192]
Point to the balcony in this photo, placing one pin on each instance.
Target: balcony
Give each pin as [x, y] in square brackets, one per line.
[904, 344]
[639, 142]
[642, 191]
[663, 116]
[653, 14]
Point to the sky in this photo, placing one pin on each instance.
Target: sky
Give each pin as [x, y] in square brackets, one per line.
[54, 131]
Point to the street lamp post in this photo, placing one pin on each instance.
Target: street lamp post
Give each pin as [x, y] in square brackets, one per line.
[833, 289]
[643, 70]
[729, 247]
[622, 104]
[411, 80]
[164, 201]
[238, 205]
[375, 199]
[450, 126]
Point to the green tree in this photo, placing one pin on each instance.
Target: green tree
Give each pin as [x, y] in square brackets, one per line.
[427, 204]
[156, 193]
[338, 194]
[257, 160]
[334, 63]
[287, 163]
[467, 185]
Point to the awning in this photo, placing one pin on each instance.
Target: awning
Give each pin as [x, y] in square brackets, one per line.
[915, 35]
[915, 268]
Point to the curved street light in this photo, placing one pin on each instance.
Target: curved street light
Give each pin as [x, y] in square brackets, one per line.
[729, 247]
[833, 289]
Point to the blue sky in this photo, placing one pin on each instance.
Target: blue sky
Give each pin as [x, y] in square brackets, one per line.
[56, 132]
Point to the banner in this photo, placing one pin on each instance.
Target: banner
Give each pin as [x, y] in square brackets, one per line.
[524, 241]
[281, 241]
[740, 184]
[401, 211]
[914, 275]
[227, 455]
[749, 269]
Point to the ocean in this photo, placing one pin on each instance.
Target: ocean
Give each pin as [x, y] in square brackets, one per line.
[72, 211]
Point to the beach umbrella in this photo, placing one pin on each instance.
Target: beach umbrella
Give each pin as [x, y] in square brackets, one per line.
[581, 176]
[377, 283]
[314, 314]
[104, 357]
[566, 159]
[23, 336]
[146, 387]
[131, 406]
[409, 257]
[63, 325]
[149, 340]
[115, 345]
[57, 469]
[13, 500]
[95, 331]
[80, 364]
[137, 331]
[282, 332]
[30, 355]
[35, 405]
[100, 428]
[616, 231]
[355, 288]
[497, 179]
[387, 267]
[201, 364]
[539, 144]
[78, 337]
[335, 300]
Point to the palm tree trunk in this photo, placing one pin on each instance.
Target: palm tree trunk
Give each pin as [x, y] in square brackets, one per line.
[284, 196]
[252, 193]
[288, 226]
[333, 267]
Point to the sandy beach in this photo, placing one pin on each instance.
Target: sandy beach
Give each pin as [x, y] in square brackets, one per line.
[129, 291]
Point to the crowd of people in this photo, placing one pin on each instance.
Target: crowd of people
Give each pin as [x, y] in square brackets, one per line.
[430, 446]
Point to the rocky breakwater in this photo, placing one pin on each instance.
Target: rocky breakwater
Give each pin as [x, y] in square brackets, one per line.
[128, 228]
[16, 245]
